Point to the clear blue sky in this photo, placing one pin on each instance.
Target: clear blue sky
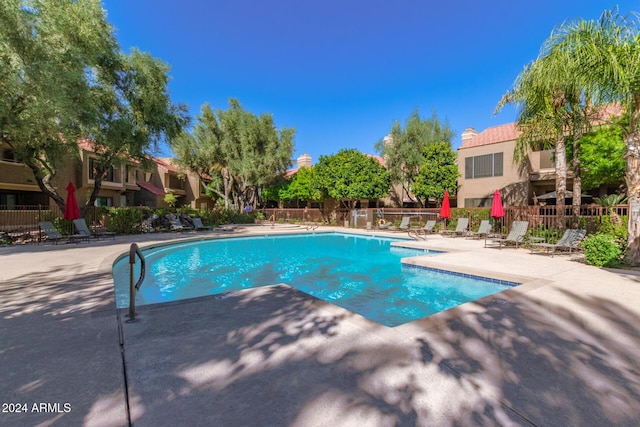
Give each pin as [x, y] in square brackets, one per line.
[342, 71]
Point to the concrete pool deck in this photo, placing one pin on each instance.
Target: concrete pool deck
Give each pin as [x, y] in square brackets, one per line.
[561, 349]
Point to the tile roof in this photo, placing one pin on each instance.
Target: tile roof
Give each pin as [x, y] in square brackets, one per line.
[151, 188]
[377, 158]
[494, 135]
[165, 163]
[510, 131]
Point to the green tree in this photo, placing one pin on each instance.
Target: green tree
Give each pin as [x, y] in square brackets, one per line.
[64, 77]
[349, 176]
[438, 173]
[240, 151]
[132, 112]
[602, 157]
[45, 48]
[403, 149]
[606, 58]
[302, 186]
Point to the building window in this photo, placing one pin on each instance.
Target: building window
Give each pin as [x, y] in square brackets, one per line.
[483, 166]
[103, 201]
[92, 171]
[478, 202]
[8, 155]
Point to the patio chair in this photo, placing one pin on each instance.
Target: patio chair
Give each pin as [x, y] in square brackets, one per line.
[54, 235]
[569, 240]
[404, 224]
[84, 230]
[198, 225]
[421, 233]
[515, 236]
[176, 225]
[483, 230]
[461, 228]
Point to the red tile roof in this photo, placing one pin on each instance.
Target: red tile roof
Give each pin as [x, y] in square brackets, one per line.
[165, 163]
[377, 158]
[290, 172]
[151, 188]
[494, 135]
[510, 131]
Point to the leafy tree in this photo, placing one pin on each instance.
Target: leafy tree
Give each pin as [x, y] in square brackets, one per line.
[45, 48]
[404, 150]
[240, 151]
[602, 157]
[438, 173]
[274, 190]
[302, 186]
[349, 176]
[132, 112]
[64, 77]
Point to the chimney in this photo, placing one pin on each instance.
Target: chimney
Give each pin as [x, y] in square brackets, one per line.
[468, 135]
[304, 160]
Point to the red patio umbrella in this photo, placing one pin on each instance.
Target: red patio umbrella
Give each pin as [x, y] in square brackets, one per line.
[445, 210]
[497, 212]
[496, 206]
[71, 210]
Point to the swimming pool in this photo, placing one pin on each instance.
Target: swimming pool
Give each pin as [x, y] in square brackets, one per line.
[363, 274]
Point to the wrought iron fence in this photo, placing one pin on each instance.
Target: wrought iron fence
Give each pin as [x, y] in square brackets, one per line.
[547, 221]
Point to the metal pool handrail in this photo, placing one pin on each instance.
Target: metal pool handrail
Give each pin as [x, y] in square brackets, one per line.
[133, 251]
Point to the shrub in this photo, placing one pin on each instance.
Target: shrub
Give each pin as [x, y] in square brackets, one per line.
[602, 250]
[125, 220]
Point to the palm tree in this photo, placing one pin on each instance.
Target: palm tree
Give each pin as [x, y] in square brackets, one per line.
[551, 111]
[606, 68]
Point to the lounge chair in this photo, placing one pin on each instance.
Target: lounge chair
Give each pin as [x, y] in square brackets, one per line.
[515, 236]
[84, 230]
[198, 225]
[176, 225]
[404, 224]
[50, 232]
[461, 228]
[569, 240]
[421, 233]
[54, 235]
[483, 230]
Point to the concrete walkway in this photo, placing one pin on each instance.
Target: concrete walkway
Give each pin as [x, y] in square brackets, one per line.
[560, 350]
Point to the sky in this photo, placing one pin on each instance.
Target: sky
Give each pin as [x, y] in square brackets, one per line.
[341, 72]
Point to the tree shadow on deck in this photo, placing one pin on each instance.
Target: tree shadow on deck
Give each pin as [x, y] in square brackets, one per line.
[59, 345]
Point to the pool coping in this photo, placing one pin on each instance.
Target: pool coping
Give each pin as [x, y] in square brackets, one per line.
[523, 284]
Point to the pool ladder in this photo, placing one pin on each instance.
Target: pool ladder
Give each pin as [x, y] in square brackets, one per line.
[133, 252]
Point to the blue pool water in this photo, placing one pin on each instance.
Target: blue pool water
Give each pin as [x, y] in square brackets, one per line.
[360, 273]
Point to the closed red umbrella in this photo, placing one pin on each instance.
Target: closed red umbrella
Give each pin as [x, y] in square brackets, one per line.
[71, 209]
[496, 206]
[445, 210]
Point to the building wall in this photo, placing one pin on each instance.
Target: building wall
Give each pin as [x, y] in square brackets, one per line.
[513, 184]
